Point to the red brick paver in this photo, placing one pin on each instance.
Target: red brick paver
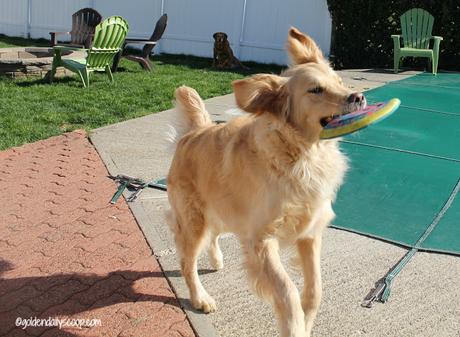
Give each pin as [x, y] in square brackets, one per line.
[65, 252]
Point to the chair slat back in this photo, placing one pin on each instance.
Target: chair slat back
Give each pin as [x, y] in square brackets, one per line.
[160, 28]
[84, 23]
[109, 37]
[416, 27]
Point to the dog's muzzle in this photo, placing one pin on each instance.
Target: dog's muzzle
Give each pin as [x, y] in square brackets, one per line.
[356, 101]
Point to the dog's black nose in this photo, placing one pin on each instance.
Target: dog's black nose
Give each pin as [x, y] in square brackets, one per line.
[355, 97]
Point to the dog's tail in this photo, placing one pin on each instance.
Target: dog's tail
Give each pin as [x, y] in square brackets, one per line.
[192, 109]
[191, 114]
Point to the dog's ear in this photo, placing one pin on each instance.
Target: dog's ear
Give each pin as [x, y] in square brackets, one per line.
[302, 49]
[262, 93]
[215, 35]
[225, 36]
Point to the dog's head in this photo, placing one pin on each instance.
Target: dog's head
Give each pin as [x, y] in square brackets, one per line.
[220, 38]
[305, 96]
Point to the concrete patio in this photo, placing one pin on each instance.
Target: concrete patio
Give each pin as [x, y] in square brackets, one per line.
[425, 300]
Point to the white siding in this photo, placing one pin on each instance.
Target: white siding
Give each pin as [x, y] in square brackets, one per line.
[53, 16]
[13, 17]
[191, 24]
[140, 14]
[266, 27]
[256, 28]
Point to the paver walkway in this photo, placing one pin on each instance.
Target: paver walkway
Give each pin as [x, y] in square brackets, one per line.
[65, 252]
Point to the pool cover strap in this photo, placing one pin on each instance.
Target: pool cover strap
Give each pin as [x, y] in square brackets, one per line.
[400, 265]
[382, 291]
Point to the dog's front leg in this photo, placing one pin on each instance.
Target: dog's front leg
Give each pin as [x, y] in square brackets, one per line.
[309, 252]
[271, 281]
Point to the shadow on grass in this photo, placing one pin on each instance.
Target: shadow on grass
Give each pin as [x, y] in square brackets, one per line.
[195, 62]
[22, 42]
[45, 80]
[204, 63]
[72, 81]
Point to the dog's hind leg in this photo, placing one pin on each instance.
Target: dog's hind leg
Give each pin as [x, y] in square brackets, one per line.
[189, 229]
[215, 254]
[271, 281]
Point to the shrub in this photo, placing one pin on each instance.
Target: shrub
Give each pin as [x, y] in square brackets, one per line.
[361, 31]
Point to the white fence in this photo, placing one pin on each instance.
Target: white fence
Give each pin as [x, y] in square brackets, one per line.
[257, 29]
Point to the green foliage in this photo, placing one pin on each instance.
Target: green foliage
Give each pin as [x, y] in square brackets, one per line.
[32, 109]
[362, 28]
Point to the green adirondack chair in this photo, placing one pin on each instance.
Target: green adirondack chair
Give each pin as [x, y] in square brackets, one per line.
[109, 37]
[416, 26]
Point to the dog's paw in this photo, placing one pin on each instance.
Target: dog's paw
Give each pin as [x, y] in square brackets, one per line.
[205, 303]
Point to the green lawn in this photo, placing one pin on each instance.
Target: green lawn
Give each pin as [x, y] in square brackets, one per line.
[8, 41]
[32, 109]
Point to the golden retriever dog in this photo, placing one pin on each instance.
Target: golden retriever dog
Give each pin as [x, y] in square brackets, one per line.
[265, 176]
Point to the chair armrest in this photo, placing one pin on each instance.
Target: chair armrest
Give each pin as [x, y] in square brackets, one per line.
[396, 41]
[436, 42]
[140, 41]
[57, 52]
[60, 33]
[69, 48]
[54, 36]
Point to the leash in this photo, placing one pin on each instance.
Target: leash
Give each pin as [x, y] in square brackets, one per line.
[135, 184]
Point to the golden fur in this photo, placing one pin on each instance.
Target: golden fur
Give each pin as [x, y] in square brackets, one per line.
[266, 177]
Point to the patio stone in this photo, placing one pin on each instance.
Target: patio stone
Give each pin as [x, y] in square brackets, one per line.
[65, 252]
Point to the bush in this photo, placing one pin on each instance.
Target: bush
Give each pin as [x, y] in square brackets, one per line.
[361, 31]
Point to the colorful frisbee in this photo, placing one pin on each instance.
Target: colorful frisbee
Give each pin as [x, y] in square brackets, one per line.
[351, 122]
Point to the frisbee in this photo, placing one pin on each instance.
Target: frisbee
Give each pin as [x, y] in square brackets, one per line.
[345, 124]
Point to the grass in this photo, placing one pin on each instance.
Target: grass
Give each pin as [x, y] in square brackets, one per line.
[8, 41]
[32, 109]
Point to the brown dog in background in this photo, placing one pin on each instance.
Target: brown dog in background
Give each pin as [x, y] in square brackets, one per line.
[223, 54]
[265, 176]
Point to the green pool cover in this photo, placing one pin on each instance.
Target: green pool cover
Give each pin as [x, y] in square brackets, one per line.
[405, 173]
[405, 170]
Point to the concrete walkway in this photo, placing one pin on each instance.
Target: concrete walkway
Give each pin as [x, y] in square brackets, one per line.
[425, 300]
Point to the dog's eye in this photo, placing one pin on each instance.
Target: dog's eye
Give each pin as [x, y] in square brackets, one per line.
[316, 90]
